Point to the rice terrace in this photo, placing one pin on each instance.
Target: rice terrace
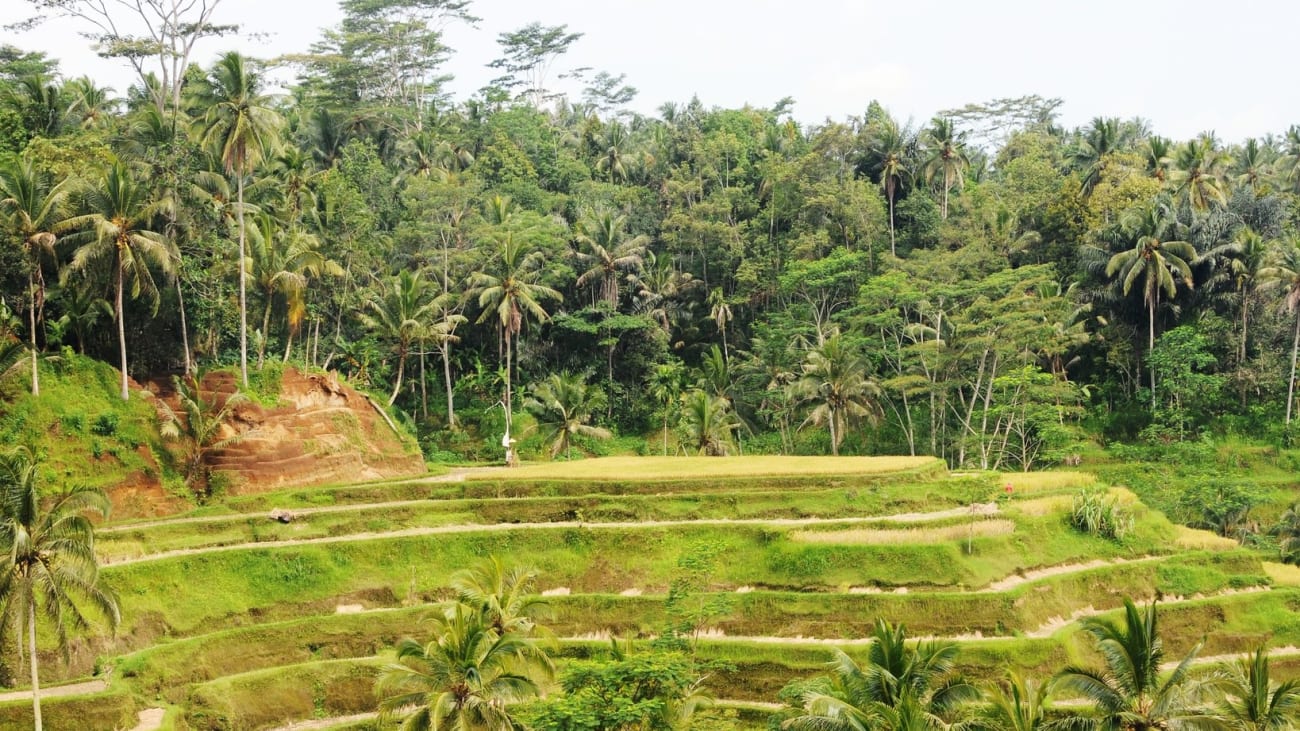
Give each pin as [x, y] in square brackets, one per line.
[401, 364]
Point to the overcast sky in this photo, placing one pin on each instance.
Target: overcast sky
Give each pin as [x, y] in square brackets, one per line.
[1186, 65]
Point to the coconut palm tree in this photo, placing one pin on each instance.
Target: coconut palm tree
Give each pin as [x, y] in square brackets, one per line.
[610, 252]
[1288, 534]
[1253, 165]
[1254, 702]
[1160, 264]
[613, 152]
[465, 679]
[1018, 704]
[240, 127]
[116, 237]
[506, 598]
[666, 383]
[890, 149]
[1101, 139]
[709, 423]
[1283, 277]
[1155, 154]
[403, 312]
[562, 405]
[835, 382]
[205, 417]
[945, 158]
[901, 688]
[508, 291]
[1196, 175]
[32, 202]
[1246, 256]
[47, 560]
[1131, 692]
[283, 262]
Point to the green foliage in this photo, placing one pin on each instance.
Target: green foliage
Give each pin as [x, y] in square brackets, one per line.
[1097, 513]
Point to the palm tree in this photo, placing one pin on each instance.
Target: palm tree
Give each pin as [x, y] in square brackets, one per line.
[1253, 165]
[282, 262]
[240, 127]
[33, 203]
[404, 313]
[1246, 257]
[465, 679]
[1197, 165]
[835, 381]
[890, 149]
[1129, 692]
[117, 238]
[609, 252]
[1253, 702]
[710, 423]
[665, 383]
[1284, 276]
[204, 420]
[1159, 263]
[1155, 154]
[1101, 139]
[945, 158]
[720, 313]
[47, 559]
[902, 688]
[505, 598]
[1287, 531]
[508, 293]
[613, 146]
[562, 405]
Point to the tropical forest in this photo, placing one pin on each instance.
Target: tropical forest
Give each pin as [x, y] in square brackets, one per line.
[335, 397]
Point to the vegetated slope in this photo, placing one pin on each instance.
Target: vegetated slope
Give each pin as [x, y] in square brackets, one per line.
[268, 624]
[320, 431]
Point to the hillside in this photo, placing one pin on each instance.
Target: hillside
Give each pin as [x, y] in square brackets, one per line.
[304, 428]
[235, 622]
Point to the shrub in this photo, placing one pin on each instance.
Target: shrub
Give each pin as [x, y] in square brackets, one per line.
[105, 424]
[1096, 513]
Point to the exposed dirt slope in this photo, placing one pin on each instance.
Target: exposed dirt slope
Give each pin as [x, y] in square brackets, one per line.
[321, 432]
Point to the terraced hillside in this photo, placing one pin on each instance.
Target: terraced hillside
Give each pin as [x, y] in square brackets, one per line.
[235, 621]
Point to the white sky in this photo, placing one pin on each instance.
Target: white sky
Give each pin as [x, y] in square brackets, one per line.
[1186, 65]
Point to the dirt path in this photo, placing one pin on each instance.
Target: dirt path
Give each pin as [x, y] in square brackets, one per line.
[557, 525]
[1273, 652]
[1070, 568]
[57, 691]
[456, 475]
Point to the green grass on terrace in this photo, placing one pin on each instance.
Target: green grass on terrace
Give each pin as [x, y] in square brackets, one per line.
[685, 468]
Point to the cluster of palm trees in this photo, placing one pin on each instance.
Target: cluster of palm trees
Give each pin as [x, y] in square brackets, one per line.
[914, 687]
[48, 566]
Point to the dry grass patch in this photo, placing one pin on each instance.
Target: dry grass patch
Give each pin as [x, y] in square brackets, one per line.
[1029, 482]
[1201, 540]
[682, 468]
[1282, 574]
[881, 537]
[1038, 507]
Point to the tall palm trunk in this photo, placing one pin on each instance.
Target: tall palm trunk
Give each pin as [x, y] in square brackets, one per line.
[446, 382]
[121, 324]
[243, 287]
[1290, 389]
[665, 430]
[401, 368]
[424, 388]
[185, 332]
[36, 681]
[892, 250]
[835, 442]
[31, 315]
[1245, 314]
[1151, 343]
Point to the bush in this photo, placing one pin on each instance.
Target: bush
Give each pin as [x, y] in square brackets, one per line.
[105, 424]
[1096, 513]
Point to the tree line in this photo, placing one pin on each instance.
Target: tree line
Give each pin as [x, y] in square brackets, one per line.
[990, 287]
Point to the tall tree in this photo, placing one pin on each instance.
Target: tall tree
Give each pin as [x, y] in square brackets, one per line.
[33, 204]
[47, 559]
[240, 127]
[508, 290]
[527, 56]
[610, 252]
[116, 239]
[1197, 173]
[945, 159]
[404, 313]
[1283, 277]
[1159, 263]
[563, 405]
[836, 383]
[889, 146]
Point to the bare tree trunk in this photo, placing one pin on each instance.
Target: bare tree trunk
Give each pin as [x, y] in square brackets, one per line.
[288, 345]
[243, 287]
[424, 389]
[835, 443]
[266, 333]
[36, 681]
[121, 327]
[31, 315]
[892, 250]
[446, 382]
[1290, 390]
[401, 366]
[185, 333]
[1151, 345]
